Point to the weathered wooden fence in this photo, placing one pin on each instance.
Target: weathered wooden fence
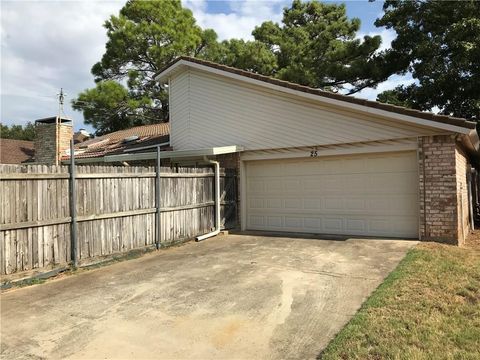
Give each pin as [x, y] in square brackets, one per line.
[115, 209]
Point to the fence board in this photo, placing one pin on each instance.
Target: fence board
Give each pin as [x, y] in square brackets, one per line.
[115, 206]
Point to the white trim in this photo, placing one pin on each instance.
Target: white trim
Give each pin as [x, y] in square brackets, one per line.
[356, 107]
[175, 154]
[304, 153]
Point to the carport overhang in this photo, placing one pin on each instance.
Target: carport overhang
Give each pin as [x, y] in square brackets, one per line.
[181, 155]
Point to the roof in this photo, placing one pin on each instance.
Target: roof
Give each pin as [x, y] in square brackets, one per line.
[444, 119]
[116, 142]
[16, 151]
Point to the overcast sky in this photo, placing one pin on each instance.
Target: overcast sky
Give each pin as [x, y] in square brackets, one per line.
[46, 45]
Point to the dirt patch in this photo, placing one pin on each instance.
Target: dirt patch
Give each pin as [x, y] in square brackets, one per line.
[473, 239]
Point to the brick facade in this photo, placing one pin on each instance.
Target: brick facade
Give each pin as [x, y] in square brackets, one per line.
[47, 147]
[442, 190]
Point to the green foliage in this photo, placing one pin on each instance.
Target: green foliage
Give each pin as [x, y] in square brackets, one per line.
[142, 40]
[439, 43]
[18, 132]
[247, 55]
[316, 45]
[110, 106]
[398, 96]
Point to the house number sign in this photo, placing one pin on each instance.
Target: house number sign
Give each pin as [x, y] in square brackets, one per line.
[313, 153]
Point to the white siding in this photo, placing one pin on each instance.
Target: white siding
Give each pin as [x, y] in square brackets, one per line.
[180, 109]
[211, 110]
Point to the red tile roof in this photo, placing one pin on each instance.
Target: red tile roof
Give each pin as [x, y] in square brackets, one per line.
[114, 142]
[16, 151]
[347, 98]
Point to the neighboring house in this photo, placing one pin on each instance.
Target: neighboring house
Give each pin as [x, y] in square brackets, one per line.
[16, 151]
[134, 139]
[53, 136]
[318, 162]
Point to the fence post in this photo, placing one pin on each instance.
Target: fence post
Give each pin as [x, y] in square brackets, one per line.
[158, 238]
[73, 210]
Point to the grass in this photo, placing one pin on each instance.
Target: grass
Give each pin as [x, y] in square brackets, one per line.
[428, 308]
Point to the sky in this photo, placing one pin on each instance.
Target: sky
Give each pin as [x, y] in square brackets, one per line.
[47, 45]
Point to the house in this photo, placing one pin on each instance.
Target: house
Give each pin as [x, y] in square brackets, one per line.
[53, 136]
[312, 161]
[137, 138]
[16, 151]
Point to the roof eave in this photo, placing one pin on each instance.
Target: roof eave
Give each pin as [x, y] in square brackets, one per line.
[173, 68]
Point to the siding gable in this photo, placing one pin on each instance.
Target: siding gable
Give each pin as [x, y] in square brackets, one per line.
[210, 110]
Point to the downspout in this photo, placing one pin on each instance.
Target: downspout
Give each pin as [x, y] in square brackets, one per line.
[216, 165]
[158, 200]
[470, 198]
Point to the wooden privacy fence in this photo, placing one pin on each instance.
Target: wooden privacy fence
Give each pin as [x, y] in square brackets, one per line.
[115, 210]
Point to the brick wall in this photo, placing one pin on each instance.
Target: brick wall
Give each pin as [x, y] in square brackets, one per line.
[46, 151]
[441, 175]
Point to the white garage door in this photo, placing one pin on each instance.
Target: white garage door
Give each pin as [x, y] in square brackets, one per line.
[374, 195]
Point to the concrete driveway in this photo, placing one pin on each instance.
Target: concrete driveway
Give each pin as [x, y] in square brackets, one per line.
[230, 297]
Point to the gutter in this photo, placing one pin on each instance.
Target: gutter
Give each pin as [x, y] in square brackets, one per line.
[216, 165]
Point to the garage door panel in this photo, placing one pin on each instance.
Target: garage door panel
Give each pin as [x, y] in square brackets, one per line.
[273, 203]
[355, 203]
[275, 221]
[355, 225]
[254, 204]
[255, 186]
[272, 185]
[312, 204]
[366, 195]
[333, 225]
[333, 203]
[291, 185]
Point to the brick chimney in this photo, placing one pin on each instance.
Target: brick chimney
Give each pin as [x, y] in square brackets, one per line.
[52, 138]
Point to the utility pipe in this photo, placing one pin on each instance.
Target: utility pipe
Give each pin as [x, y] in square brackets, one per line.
[158, 237]
[216, 165]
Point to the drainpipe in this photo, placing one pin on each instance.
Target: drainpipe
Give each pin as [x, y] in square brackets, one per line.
[216, 165]
[470, 198]
[158, 223]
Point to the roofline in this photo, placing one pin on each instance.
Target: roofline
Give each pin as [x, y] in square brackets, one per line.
[457, 125]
